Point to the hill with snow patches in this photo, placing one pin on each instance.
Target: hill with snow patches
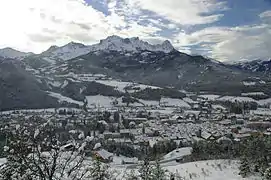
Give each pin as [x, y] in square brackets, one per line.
[116, 66]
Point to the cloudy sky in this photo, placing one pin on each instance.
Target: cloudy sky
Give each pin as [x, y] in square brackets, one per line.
[226, 30]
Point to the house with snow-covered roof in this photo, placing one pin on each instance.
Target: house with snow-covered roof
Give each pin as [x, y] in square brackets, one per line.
[103, 155]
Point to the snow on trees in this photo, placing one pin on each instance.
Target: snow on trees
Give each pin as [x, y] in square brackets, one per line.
[38, 154]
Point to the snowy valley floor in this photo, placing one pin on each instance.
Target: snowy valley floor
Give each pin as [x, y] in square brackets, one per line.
[199, 170]
[202, 170]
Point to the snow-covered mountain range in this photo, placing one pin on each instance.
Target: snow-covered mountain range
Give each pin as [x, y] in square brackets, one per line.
[75, 70]
[111, 43]
[260, 66]
[12, 53]
[72, 50]
[66, 52]
[116, 43]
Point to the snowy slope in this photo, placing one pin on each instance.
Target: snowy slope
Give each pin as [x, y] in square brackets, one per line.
[210, 170]
[64, 98]
[69, 51]
[112, 43]
[134, 44]
[12, 53]
[200, 170]
[177, 153]
[121, 85]
[175, 102]
[236, 99]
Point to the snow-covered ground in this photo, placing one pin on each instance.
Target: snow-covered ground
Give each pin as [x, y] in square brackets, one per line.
[2, 161]
[199, 170]
[121, 85]
[253, 94]
[249, 83]
[209, 170]
[46, 110]
[211, 97]
[69, 51]
[202, 170]
[261, 111]
[189, 100]
[175, 102]
[64, 98]
[264, 102]
[177, 153]
[236, 98]
[100, 101]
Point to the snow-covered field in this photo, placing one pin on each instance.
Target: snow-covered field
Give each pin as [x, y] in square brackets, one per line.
[100, 101]
[249, 83]
[253, 94]
[209, 170]
[177, 153]
[121, 85]
[199, 170]
[211, 97]
[175, 102]
[202, 170]
[236, 98]
[64, 98]
[261, 111]
[264, 102]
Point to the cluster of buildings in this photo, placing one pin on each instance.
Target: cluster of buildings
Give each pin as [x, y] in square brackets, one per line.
[145, 126]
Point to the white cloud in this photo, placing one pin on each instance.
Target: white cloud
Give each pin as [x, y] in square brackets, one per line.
[34, 25]
[184, 12]
[230, 43]
[266, 14]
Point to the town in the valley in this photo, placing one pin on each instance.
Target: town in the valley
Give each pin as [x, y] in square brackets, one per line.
[121, 133]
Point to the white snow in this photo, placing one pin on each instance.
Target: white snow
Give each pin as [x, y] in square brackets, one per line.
[264, 102]
[177, 153]
[218, 106]
[55, 83]
[175, 102]
[253, 94]
[149, 102]
[117, 43]
[81, 136]
[12, 53]
[69, 51]
[3, 161]
[249, 83]
[209, 170]
[49, 60]
[261, 111]
[65, 84]
[199, 170]
[236, 98]
[37, 132]
[97, 146]
[100, 101]
[211, 97]
[64, 98]
[50, 110]
[121, 85]
[189, 100]
[118, 160]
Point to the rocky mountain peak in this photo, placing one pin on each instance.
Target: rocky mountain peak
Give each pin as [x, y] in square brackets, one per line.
[12, 53]
[134, 44]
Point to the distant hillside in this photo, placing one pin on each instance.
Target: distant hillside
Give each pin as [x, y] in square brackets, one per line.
[18, 89]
